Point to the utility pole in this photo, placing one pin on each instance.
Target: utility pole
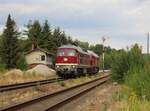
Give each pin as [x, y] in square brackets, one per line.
[103, 59]
[147, 43]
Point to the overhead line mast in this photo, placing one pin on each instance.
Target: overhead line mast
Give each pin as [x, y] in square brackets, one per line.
[148, 43]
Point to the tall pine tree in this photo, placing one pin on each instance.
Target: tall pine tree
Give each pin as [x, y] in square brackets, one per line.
[46, 41]
[63, 38]
[34, 32]
[9, 46]
[59, 37]
[44, 37]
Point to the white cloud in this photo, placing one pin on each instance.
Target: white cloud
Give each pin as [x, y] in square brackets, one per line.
[126, 21]
[1, 30]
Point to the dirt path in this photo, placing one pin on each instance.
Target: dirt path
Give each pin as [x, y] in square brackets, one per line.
[102, 99]
[99, 99]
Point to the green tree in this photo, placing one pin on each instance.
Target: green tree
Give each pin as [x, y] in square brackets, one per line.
[59, 38]
[107, 50]
[84, 45]
[1, 43]
[21, 62]
[56, 37]
[0, 39]
[69, 40]
[24, 45]
[34, 32]
[1, 48]
[9, 47]
[63, 38]
[46, 41]
[75, 42]
[98, 49]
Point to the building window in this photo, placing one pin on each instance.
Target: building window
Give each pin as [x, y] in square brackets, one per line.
[43, 58]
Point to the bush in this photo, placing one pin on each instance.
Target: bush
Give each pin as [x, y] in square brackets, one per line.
[130, 67]
[120, 66]
[139, 80]
[108, 61]
[125, 60]
[21, 63]
[2, 67]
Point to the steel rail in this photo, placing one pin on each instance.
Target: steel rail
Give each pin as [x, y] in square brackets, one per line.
[10, 87]
[52, 101]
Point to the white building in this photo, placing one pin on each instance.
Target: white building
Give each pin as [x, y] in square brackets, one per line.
[38, 56]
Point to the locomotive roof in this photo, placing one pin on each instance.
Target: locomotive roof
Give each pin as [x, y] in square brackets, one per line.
[92, 53]
[80, 50]
[75, 47]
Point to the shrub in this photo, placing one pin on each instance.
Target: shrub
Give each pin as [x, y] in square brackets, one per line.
[2, 67]
[21, 63]
[125, 60]
[120, 66]
[139, 80]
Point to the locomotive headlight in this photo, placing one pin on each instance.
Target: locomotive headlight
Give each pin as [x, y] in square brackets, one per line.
[73, 66]
[65, 59]
[57, 66]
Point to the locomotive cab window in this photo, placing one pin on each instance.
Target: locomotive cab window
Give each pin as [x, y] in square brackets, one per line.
[71, 53]
[43, 58]
[60, 53]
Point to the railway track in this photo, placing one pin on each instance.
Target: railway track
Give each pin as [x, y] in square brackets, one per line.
[5, 88]
[53, 101]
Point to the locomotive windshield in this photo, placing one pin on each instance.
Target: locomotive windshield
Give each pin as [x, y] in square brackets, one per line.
[66, 52]
[60, 53]
[71, 52]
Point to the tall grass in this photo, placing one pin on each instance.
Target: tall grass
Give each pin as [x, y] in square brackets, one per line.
[130, 101]
[139, 80]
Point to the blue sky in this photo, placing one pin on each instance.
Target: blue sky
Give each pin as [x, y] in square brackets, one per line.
[125, 21]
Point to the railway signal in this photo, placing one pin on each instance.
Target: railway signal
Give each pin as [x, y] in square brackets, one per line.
[104, 38]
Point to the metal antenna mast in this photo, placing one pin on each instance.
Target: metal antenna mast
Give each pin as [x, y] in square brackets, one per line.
[148, 43]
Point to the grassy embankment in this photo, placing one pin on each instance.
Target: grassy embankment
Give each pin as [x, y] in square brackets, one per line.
[17, 76]
[132, 71]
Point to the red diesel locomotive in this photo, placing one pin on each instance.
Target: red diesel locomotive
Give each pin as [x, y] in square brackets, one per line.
[72, 61]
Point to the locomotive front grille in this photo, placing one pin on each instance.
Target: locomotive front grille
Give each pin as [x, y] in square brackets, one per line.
[66, 68]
